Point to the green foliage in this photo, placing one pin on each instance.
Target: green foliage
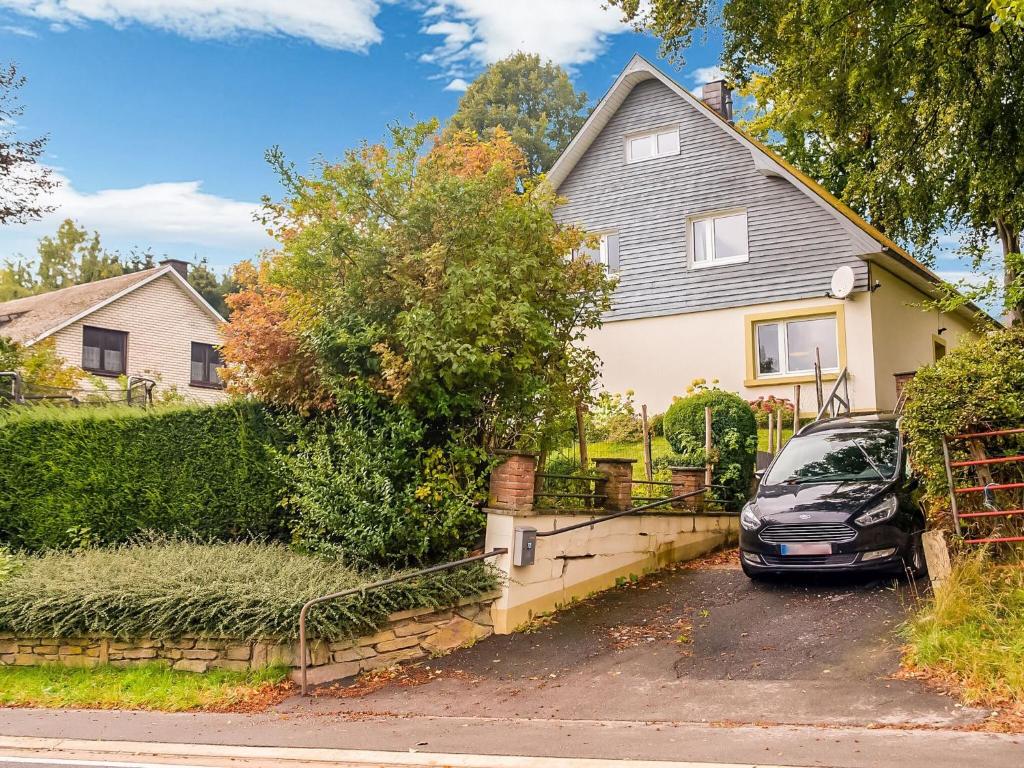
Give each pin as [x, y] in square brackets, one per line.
[212, 287]
[613, 417]
[534, 101]
[144, 686]
[980, 383]
[656, 424]
[972, 633]
[107, 473]
[171, 589]
[734, 437]
[364, 488]
[763, 406]
[907, 110]
[22, 181]
[432, 279]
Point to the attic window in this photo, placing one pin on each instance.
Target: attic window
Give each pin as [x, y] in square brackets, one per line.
[651, 144]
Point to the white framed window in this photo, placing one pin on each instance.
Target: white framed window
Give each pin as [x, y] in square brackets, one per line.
[651, 144]
[787, 347]
[718, 238]
[606, 252]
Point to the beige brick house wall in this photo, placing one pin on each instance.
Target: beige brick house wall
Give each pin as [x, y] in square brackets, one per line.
[162, 321]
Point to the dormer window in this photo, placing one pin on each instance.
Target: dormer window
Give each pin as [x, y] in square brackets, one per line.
[651, 144]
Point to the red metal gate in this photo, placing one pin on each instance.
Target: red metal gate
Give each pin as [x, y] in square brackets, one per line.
[990, 452]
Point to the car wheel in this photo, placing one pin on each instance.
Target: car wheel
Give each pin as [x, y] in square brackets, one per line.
[749, 573]
[917, 566]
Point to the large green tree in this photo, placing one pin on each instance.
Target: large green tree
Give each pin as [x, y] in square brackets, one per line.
[22, 180]
[908, 110]
[534, 101]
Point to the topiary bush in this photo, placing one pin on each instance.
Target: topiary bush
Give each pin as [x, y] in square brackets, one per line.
[734, 438]
[81, 476]
[980, 383]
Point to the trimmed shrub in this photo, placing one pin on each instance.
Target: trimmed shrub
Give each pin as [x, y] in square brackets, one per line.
[980, 383]
[656, 424]
[364, 488]
[734, 436]
[80, 476]
[170, 589]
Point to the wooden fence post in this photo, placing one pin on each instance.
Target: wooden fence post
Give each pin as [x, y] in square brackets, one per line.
[708, 445]
[581, 429]
[771, 433]
[796, 408]
[648, 463]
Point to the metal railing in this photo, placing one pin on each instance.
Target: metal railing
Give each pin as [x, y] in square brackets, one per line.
[836, 404]
[586, 481]
[304, 612]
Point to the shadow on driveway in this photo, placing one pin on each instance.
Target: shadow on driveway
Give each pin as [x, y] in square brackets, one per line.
[688, 644]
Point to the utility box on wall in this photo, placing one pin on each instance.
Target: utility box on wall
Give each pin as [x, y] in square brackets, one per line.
[524, 548]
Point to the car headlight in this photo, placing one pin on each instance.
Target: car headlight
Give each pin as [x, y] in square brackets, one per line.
[879, 511]
[749, 518]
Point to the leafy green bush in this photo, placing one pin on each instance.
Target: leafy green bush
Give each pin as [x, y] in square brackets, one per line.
[734, 438]
[169, 589]
[980, 383]
[613, 418]
[363, 487]
[78, 476]
[656, 424]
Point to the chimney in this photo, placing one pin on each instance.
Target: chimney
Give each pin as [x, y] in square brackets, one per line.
[178, 265]
[718, 96]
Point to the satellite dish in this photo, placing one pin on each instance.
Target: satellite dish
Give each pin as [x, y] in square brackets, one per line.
[842, 282]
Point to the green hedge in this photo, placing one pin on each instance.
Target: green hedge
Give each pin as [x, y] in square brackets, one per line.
[734, 437]
[74, 476]
[243, 591]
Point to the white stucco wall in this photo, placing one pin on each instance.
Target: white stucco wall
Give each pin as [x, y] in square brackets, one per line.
[162, 322]
[903, 333]
[658, 357]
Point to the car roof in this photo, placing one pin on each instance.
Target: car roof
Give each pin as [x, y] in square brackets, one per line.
[886, 421]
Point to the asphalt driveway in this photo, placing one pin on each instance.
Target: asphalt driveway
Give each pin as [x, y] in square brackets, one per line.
[690, 644]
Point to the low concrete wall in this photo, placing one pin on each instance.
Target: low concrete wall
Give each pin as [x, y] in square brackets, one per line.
[576, 564]
[413, 634]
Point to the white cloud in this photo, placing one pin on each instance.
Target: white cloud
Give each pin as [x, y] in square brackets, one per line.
[458, 84]
[13, 29]
[343, 24]
[703, 75]
[169, 215]
[479, 32]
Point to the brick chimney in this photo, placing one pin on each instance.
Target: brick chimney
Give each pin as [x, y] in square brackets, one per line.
[718, 96]
[178, 265]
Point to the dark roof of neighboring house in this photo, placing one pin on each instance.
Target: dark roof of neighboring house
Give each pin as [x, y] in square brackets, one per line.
[30, 318]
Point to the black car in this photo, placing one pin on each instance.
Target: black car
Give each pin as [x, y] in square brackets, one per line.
[837, 497]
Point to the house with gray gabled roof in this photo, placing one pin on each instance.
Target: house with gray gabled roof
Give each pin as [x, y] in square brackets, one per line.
[732, 264]
[150, 323]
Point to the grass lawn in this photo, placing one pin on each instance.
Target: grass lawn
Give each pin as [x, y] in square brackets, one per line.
[971, 637]
[659, 447]
[150, 686]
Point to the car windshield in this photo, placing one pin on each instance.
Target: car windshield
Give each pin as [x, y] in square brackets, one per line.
[837, 456]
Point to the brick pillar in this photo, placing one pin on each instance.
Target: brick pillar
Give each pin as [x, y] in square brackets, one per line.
[901, 382]
[512, 482]
[617, 482]
[685, 480]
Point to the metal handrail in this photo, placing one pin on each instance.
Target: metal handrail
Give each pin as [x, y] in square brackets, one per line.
[834, 395]
[376, 585]
[15, 378]
[623, 513]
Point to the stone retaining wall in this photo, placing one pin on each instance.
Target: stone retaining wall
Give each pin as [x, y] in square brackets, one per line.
[408, 635]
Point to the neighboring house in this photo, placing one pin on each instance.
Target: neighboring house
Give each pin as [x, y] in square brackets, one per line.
[150, 323]
[725, 256]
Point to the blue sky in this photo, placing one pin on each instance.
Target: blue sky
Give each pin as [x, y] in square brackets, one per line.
[159, 111]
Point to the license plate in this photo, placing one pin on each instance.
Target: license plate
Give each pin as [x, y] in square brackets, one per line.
[806, 549]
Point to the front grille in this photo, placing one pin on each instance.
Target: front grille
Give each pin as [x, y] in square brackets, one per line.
[797, 533]
[809, 560]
